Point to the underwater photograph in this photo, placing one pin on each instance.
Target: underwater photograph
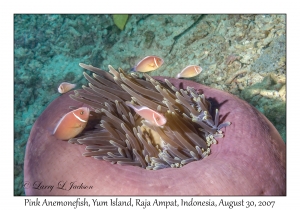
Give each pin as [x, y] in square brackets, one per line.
[149, 104]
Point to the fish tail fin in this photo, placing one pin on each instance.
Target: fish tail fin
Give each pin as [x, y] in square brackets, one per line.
[50, 131]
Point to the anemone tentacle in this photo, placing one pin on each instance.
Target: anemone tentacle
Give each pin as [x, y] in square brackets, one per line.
[123, 137]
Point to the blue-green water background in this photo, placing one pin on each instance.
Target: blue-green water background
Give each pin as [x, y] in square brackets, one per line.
[48, 48]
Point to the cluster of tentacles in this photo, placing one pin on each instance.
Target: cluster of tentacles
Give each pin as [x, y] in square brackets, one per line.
[123, 137]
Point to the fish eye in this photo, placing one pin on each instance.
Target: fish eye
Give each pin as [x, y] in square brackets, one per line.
[81, 112]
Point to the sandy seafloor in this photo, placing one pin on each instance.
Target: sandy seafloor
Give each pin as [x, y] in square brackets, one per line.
[241, 54]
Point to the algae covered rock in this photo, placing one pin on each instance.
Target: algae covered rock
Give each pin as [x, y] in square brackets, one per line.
[273, 56]
[268, 97]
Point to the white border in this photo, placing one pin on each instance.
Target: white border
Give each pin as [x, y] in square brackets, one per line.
[8, 8]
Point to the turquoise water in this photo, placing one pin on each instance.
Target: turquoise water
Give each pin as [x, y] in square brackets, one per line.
[48, 48]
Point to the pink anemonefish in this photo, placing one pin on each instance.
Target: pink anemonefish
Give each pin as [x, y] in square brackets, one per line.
[148, 114]
[65, 87]
[71, 124]
[148, 63]
[189, 71]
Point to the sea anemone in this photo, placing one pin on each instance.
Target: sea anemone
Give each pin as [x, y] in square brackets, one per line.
[125, 138]
[249, 160]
